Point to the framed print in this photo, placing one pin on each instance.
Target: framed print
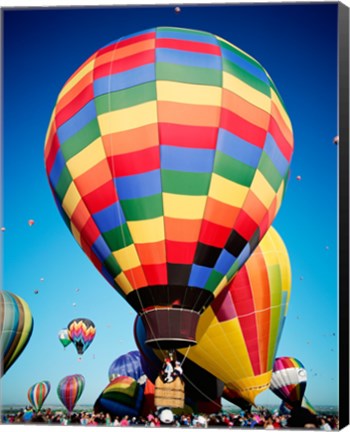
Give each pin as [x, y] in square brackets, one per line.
[175, 215]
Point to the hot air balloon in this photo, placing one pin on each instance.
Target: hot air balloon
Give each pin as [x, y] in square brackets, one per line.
[128, 365]
[37, 394]
[167, 154]
[69, 390]
[64, 338]
[239, 333]
[289, 380]
[286, 409]
[81, 332]
[122, 396]
[3, 229]
[233, 397]
[16, 327]
[31, 222]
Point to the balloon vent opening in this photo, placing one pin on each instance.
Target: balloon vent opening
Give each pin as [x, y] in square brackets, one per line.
[168, 328]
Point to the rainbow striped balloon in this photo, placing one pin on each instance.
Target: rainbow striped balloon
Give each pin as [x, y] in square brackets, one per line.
[16, 328]
[69, 390]
[81, 332]
[167, 153]
[288, 380]
[37, 394]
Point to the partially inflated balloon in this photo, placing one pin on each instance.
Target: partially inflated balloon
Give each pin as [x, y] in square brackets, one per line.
[37, 394]
[167, 154]
[64, 337]
[16, 327]
[69, 390]
[81, 332]
[289, 380]
[122, 396]
[128, 365]
[239, 333]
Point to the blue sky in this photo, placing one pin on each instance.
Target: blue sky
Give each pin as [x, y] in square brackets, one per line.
[297, 44]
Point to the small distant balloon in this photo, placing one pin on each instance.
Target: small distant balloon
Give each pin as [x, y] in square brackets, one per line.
[177, 9]
[301, 278]
[41, 279]
[31, 222]
[36, 291]
[336, 140]
[77, 289]
[3, 229]
[298, 177]
[74, 304]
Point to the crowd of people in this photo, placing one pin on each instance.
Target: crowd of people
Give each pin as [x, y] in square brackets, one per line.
[301, 418]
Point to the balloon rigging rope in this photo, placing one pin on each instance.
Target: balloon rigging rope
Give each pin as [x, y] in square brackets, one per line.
[119, 208]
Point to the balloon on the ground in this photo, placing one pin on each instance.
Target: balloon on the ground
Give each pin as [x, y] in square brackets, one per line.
[64, 338]
[239, 333]
[81, 332]
[16, 327]
[233, 397]
[37, 394]
[69, 390]
[289, 380]
[168, 168]
[128, 364]
[122, 396]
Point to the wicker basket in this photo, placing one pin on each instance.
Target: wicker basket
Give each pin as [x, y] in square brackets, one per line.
[171, 395]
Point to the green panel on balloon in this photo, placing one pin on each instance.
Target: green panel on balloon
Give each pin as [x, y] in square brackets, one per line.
[126, 98]
[112, 266]
[246, 77]
[269, 171]
[188, 74]
[81, 139]
[63, 183]
[118, 237]
[224, 44]
[185, 183]
[233, 169]
[143, 208]
[213, 280]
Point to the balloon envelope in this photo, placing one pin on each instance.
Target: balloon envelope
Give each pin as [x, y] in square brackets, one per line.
[69, 390]
[81, 332]
[64, 338]
[16, 327]
[167, 154]
[239, 333]
[128, 365]
[37, 394]
[289, 380]
[122, 396]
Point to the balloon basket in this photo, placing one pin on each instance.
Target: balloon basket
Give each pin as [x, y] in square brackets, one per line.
[171, 395]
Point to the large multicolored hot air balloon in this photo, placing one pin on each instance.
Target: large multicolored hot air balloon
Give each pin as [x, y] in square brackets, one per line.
[64, 338]
[16, 327]
[81, 332]
[167, 153]
[122, 396]
[69, 390]
[37, 394]
[289, 380]
[128, 364]
[239, 333]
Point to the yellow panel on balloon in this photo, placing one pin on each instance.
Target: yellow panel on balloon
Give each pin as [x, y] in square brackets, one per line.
[246, 92]
[262, 189]
[227, 191]
[127, 257]
[188, 93]
[184, 206]
[250, 387]
[147, 231]
[124, 283]
[90, 156]
[71, 200]
[128, 118]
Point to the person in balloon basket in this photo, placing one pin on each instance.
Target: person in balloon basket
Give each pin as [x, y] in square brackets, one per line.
[168, 370]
